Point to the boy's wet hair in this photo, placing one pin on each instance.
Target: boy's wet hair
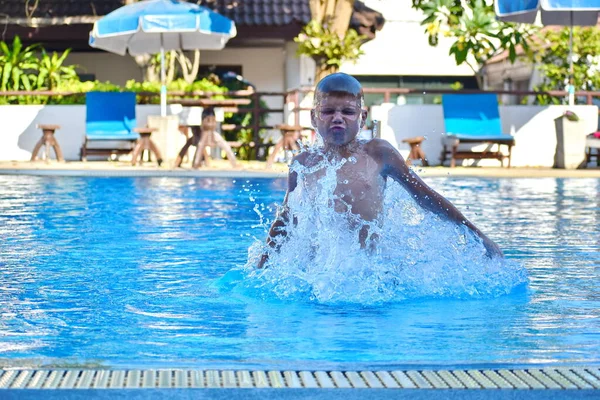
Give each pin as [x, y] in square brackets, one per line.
[208, 112]
[339, 84]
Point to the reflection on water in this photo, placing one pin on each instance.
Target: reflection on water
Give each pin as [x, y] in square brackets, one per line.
[138, 271]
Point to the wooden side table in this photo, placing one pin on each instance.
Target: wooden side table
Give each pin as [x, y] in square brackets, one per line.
[416, 152]
[290, 135]
[145, 143]
[48, 140]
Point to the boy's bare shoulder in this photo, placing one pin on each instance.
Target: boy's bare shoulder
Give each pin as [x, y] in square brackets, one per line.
[378, 148]
[308, 158]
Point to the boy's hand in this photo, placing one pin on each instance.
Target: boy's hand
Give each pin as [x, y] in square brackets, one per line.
[262, 261]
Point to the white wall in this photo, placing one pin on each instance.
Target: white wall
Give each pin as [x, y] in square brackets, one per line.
[299, 70]
[107, 66]
[532, 126]
[264, 67]
[20, 132]
[401, 47]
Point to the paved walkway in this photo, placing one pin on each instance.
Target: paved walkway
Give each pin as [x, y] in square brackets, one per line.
[258, 169]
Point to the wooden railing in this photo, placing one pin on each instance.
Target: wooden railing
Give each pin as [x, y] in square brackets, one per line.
[295, 96]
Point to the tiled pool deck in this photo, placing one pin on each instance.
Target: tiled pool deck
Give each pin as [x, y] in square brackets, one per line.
[257, 169]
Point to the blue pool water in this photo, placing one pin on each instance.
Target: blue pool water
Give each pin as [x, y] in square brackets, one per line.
[146, 272]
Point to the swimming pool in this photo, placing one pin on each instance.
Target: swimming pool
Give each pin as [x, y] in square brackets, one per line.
[128, 272]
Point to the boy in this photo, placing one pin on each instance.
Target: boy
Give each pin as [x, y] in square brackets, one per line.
[338, 117]
[209, 137]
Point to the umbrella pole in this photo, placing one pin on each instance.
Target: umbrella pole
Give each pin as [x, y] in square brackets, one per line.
[163, 87]
[571, 86]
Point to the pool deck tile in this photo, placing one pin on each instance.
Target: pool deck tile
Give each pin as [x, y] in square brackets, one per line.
[40, 377]
[308, 380]
[573, 377]
[387, 379]
[497, 379]
[403, 380]
[591, 379]
[514, 380]
[292, 379]
[371, 379]
[356, 380]
[434, 379]
[133, 379]
[245, 379]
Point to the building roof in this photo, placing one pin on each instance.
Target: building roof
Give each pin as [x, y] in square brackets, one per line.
[61, 24]
[243, 12]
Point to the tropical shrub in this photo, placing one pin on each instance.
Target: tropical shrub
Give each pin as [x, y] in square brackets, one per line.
[327, 48]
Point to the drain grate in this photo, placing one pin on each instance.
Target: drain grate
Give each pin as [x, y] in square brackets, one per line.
[545, 378]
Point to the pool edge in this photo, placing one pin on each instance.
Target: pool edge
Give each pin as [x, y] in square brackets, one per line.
[527, 379]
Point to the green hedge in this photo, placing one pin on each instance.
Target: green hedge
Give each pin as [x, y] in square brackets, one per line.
[81, 88]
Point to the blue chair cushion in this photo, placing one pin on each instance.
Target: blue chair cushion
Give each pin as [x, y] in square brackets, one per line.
[112, 135]
[482, 137]
[473, 117]
[110, 116]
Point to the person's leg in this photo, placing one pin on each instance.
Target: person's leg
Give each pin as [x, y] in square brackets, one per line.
[183, 152]
[201, 152]
[221, 143]
[198, 155]
[290, 141]
[276, 150]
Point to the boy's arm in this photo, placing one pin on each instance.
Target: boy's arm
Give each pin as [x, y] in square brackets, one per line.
[278, 227]
[393, 165]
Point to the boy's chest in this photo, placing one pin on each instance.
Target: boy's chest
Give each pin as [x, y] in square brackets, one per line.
[357, 177]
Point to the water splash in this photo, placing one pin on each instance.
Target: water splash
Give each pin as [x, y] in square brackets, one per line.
[417, 254]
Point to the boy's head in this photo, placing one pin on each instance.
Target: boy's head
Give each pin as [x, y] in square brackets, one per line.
[209, 120]
[337, 113]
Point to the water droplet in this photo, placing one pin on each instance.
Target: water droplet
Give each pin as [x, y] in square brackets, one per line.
[345, 182]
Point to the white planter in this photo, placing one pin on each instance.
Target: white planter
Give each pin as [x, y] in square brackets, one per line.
[570, 144]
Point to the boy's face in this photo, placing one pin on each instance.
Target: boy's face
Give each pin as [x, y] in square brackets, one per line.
[209, 123]
[338, 118]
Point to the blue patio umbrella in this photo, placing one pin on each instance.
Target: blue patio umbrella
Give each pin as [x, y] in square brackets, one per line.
[553, 12]
[156, 26]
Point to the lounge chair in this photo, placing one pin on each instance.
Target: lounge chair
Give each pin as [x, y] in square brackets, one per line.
[473, 118]
[110, 124]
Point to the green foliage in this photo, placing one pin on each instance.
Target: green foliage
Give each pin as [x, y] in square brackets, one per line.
[17, 65]
[22, 69]
[325, 47]
[478, 35]
[552, 59]
[52, 72]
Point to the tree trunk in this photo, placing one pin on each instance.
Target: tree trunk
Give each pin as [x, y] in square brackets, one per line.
[149, 73]
[171, 69]
[334, 13]
[343, 13]
[189, 68]
[322, 70]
